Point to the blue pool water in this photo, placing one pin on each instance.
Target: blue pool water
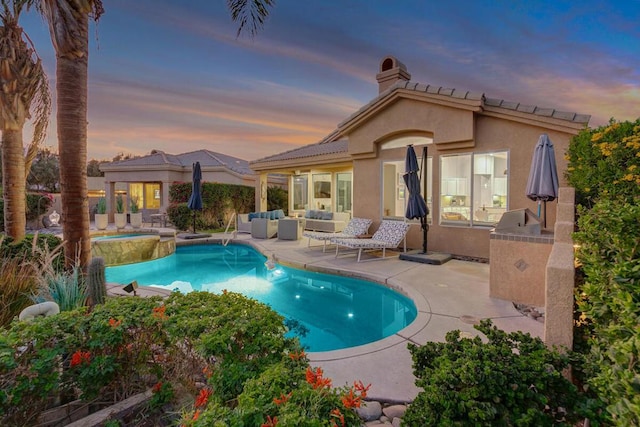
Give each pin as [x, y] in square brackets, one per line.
[339, 312]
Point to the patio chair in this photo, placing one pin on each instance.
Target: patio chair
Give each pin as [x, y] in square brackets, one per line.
[356, 227]
[389, 235]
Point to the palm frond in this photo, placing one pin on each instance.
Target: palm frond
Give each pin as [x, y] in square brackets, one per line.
[249, 13]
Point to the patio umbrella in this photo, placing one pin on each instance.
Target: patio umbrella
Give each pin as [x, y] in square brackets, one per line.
[416, 206]
[195, 201]
[542, 185]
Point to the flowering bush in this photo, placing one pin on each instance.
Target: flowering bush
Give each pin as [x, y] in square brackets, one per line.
[119, 349]
[288, 393]
[605, 161]
[228, 352]
[604, 166]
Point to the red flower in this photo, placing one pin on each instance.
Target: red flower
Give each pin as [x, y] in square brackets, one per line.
[361, 388]
[271, 422]
[315, 378]
[80, 357]
[203, 397]
[297, 356]
[207, 371]
[350, 400]
[158, 312]
[337, 414]
[114, 323]
[283, 399]
[196, 415]
[156, 388]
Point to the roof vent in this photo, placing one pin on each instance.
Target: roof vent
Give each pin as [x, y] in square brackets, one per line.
[391, 72]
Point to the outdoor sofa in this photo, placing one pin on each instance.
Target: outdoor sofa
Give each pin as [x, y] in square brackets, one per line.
[244, 220]
[330, 222]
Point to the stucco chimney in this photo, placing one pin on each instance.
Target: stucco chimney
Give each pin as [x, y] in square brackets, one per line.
[391, 72]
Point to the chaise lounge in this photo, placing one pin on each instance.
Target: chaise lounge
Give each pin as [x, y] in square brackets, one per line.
[389, 235]
[356, 227]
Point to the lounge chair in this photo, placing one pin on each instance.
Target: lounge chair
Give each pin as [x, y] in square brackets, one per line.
[389, 235]
[355, 227]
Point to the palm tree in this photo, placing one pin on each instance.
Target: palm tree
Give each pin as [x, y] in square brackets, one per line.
[68, 26]
[23, 89]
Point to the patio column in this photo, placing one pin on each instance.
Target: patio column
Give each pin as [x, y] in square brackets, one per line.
[109, 197]
[261, 193]
[164, 198]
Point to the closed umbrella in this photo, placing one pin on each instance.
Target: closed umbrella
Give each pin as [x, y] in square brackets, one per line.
[416, 206]
[542, 185]
[195, 201]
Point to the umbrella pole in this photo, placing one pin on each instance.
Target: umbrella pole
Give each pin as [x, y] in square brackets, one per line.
[423, 220]
[194, 222]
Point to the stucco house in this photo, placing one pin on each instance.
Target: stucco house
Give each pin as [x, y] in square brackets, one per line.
[148, 178]
[479, 152]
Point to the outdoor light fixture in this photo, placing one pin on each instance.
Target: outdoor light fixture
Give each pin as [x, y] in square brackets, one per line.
[131, 287]
[271, 264]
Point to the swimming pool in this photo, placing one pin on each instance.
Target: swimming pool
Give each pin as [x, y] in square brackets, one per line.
[339, 312]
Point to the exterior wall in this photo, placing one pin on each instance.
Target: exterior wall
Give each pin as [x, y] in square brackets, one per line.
[490, 133]
[560, 277]
[518, 265]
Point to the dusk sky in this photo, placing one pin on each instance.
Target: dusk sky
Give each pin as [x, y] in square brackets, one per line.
[171, 75]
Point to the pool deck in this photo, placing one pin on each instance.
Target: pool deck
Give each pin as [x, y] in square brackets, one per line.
[448, 297]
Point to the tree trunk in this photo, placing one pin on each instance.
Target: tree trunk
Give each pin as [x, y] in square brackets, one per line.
[71, 87]
[13, 184]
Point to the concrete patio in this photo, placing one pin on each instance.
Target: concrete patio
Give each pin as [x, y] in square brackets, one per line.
[448, 297]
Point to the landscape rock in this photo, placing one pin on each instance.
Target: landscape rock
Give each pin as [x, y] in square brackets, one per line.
[370, 411]
[394, 411]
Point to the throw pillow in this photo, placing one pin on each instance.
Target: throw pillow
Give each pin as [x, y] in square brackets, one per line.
[327, 215]
[253, 215]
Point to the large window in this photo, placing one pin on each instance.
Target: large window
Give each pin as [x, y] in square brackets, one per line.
[322, 191]
[300, 192]
[344, 186]
[473, 188]
[394, 190]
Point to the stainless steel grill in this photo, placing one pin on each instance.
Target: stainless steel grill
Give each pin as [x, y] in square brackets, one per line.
[519, 221]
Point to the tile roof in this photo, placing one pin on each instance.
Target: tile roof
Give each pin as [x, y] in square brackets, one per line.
[473, 96]
[331, 146]
[321, 148]
[205, 157]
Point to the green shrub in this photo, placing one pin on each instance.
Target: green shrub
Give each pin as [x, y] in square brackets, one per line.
[66, 288]
[605, 162]
[288, 393]
[38, 204]
[39, 248]
[119, 204]
[101, 207]
[242, 335]
[17, 284]
[609, 305]
[180, 215]
[512, 379]
[135, 208]
[218, 200]
[118, 349]
[277, 198]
